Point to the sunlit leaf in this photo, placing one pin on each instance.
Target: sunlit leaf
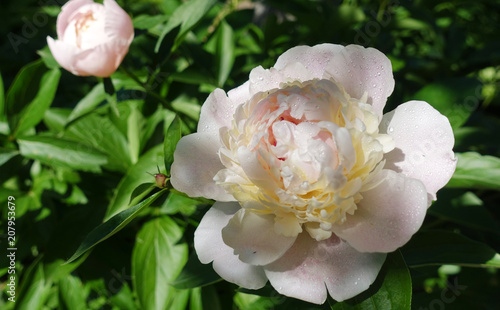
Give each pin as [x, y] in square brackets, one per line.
[476, 171]
[136, 175]
[225, 52]
[100, 133]
[158, 257]
[66, 153]
[72, 294]
[187, 16]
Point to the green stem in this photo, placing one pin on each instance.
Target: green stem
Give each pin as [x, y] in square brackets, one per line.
[150, 92]
[146, 88]
[109, 89]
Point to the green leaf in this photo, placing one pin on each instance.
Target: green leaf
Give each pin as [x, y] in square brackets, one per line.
[34, 289]
[124, 299]
[178, 203]
[30, 95]
[187, 16]
[181, 300]
[464, 208]
[444, 247]
[195, 301]
[225, 52]
[101, 134]
[456, 98]
[6, 155]
[55, 119]
[133, 134]
[172, 136]
[72, 294]
[195, 274]
[66, 153]
[476, 171]
[112, 226]
[3, 117]
[157, 258]
[391, 290]
[188, 106]
[146, 22]
[48, 58]
[136, 175]
[88, 103]
[151, 125]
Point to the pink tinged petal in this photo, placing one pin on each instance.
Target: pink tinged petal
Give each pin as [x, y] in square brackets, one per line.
[354, 67]
[424, 144]
[102, 60]
[118, 25]
[196, 162]
[210, 247]
[67, 10]
[310, 269]
[217, 111]
[387, 216]
[253, 165]
[254, 239]
[63, 53]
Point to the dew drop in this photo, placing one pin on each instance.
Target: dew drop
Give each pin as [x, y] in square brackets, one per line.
[391, 129]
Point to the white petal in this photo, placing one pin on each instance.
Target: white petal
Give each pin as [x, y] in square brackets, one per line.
[118, 24]
[254, 239]
[217, 111]
[262, 80]
[63, 53]
[196, 162]
[355, 68]
[102, 60]
[310, 268]
[240, 94]
[210, 247]
[255, 170]
[67, 10]
[387, 216]
[424, 142]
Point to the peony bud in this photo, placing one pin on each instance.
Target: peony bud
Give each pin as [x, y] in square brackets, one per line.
[93, 38]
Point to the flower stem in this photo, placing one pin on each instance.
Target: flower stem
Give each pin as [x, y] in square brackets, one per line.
[109, 89]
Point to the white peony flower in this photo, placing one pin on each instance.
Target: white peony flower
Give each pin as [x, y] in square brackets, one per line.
[313, 185]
